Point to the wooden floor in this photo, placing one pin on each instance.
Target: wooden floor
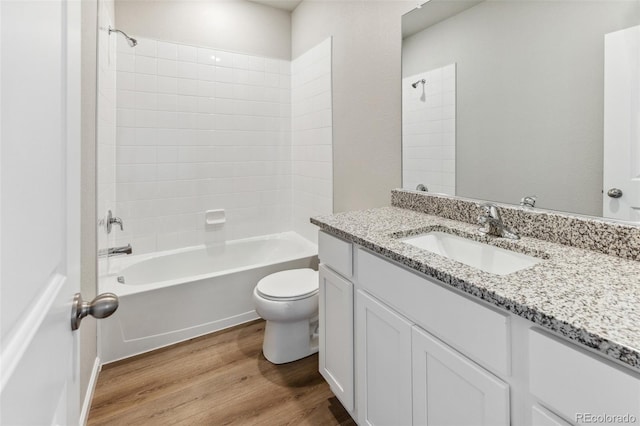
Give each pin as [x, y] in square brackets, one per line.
[219, 379]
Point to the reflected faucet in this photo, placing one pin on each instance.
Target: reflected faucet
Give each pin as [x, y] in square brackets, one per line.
[528, 201]
[492, 224]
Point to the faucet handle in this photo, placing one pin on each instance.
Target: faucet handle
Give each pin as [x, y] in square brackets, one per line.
[111, 220]
[117, 221]
[490, 210]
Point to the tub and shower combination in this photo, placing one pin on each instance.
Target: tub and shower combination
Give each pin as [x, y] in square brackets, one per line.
[171, 296]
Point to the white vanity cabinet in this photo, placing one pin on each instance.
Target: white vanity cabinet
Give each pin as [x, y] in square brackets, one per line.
[404, 374]
[336, 318]
[450, 389]
[383, 353]
[426, 354]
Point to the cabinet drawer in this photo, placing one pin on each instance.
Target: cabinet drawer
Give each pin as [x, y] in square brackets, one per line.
[335, 253]
[576, 384]
[475, 330]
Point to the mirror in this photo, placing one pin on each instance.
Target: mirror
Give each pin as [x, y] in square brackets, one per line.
[508, 99]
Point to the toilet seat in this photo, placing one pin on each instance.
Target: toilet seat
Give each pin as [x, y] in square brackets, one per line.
[289, 285]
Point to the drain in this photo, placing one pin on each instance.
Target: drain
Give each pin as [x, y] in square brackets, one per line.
[121, 279]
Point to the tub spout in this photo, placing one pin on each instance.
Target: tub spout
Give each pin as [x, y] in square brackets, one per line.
[115, 251]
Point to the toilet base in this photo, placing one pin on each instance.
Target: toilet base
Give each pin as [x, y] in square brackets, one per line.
[290, 341]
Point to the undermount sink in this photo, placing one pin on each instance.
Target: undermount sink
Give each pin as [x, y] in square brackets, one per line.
[478, 255]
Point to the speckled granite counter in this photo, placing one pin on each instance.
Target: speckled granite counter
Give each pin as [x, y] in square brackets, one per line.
[589, 297]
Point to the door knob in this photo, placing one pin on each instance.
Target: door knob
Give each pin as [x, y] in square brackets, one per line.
[102, 306]
[614, 193]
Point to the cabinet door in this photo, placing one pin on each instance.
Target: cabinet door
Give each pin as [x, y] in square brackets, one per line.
[542, 417]
[383, 351]
[336, 334]
[449, 389]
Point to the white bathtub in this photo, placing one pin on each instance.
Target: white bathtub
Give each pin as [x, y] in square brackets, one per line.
[176, 295]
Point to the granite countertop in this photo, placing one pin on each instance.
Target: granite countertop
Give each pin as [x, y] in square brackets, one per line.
[588, 297]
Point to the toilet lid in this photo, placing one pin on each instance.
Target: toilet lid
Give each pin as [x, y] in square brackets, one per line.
[292, 284]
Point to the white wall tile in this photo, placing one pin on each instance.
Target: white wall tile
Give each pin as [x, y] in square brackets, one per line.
[167, 50]
[146, 65]
[428, 129]
[200, 129]
[167, 68]
[126, 61]
[146, 47]
[311, 135]
[187, 53]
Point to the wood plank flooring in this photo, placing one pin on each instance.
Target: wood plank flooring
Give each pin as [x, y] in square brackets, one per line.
[218, 379]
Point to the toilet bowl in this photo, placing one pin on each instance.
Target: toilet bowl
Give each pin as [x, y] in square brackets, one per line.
[288, 301]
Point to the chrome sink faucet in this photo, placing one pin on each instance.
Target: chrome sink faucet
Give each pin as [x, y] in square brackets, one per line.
[492, 224]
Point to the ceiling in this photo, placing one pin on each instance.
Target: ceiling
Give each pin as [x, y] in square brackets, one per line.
[431, 13]
[280, 4]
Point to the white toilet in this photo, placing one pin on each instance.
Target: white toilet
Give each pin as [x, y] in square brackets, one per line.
[288, 301]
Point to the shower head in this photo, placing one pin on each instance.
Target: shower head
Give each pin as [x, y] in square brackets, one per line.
[130, 40]
[414, 85]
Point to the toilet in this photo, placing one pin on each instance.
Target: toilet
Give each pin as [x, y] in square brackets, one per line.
[288, 301]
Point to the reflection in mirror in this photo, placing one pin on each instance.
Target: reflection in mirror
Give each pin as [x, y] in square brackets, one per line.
[525, 98]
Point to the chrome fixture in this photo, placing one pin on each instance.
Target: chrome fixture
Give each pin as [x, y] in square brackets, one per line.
[492, 224]
[130, 40]
[614, 193]
[422, 187]
[111, 220]
[101, 307]
[115, 251]
[414, 85]
[528, 201]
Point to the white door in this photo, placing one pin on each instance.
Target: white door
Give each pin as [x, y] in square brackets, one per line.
[449, 389]
[622, 125]
[336, 334]
[383, 351]
[40, 210]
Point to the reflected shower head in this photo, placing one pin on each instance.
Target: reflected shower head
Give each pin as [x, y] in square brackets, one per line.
[130, 40]
[414, 85]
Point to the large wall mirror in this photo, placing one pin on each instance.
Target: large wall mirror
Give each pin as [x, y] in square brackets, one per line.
[525, 98]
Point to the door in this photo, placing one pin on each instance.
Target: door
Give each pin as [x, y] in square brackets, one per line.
[449, 389]
[39, 210]
[622, 125]
[383, 351]
[336, 334]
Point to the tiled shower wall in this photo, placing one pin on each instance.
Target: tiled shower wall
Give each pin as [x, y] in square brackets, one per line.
[312, 138]
[106, 128]
[199, 129]
[429, 130]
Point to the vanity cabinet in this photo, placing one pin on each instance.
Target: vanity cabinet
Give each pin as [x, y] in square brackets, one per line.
[383, 351]
[336, 318]
[426, 354]
[450, 389]
[576, 384]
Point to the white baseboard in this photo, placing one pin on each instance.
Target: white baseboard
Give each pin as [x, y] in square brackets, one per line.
[86, 405]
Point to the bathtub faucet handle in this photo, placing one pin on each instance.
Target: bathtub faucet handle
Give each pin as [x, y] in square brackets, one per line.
[111, 220]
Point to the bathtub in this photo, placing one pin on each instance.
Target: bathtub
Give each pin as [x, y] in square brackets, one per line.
[171, 296]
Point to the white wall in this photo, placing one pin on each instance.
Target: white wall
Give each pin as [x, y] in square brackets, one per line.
[429, 130]
[233, 25]
[199, 129]
[530, 90]
[366, 93]
[88, 268]
[311, 138]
